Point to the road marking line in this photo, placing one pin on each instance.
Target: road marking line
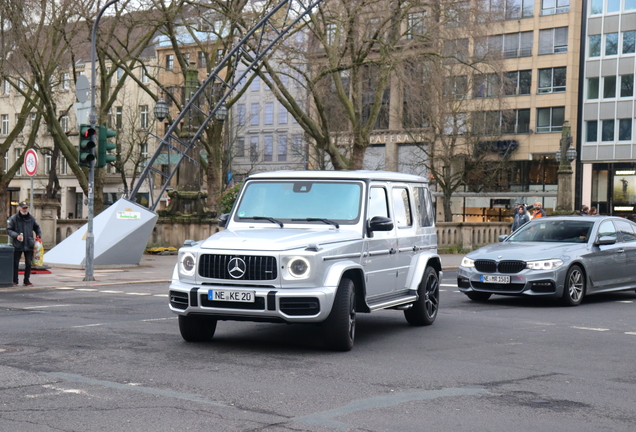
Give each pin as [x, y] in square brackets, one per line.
[439, 291]
[625, 301]
[158, 319]
[590, 328]
[160, 295]
[139, 294]
[86, 289]
[111, 292]
[87, 325]
[631, 333]
[65, 288]
[43, 307]
[448, 285]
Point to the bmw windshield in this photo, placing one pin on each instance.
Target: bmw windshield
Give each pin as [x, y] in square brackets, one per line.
[560, 231]
[300, 201]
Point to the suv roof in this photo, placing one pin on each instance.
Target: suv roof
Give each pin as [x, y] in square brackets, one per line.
[345, 175]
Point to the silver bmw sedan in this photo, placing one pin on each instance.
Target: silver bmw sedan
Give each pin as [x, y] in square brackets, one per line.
[566, 257]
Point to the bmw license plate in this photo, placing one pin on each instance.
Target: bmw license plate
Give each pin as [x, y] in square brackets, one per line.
[231, 296]
[495, 279]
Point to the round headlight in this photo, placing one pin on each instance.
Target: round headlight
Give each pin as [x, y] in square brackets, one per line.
[188, 264]
[298, 267]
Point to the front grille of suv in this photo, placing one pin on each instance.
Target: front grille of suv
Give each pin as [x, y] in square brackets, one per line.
[490, 266]
[256, 267]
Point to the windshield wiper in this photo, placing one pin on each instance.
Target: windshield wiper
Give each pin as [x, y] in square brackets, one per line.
[327, 221]
[267, 218]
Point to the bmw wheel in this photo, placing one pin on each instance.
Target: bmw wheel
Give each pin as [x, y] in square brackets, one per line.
[195, 328]
[424, 310]
[574, 287]
[340, 325]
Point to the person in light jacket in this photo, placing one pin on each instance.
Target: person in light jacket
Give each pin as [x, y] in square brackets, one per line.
[21, 227]
[521, 218]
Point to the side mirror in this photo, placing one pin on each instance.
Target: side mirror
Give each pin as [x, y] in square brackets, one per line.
[379, 223]
[606, 240]
[502, 237]
[223, 220]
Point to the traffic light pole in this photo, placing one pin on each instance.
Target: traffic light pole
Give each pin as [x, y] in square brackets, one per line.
[90, 237]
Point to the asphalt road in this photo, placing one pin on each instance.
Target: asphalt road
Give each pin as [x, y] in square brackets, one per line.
[110, 358]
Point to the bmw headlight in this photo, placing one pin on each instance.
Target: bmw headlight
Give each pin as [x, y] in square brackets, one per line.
[298, 267]
[187, 264]
[467, 262]
[544, 264]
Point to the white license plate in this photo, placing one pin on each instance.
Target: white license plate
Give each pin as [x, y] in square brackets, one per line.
[495, 279]
[231, 296]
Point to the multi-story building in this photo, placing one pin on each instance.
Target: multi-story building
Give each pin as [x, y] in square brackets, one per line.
[608, 146]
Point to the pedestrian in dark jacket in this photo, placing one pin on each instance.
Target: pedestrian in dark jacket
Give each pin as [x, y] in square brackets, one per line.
[521, 218]
[584, 210]
[21, 227]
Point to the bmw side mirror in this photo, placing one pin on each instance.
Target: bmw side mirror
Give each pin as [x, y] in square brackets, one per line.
[606, 240]
[223, 220]
[379, 223]
[502, 237]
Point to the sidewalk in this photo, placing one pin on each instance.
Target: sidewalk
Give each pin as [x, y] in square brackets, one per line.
[152, 269]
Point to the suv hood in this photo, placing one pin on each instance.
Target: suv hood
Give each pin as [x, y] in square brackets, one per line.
[526, 251]
[275, 239]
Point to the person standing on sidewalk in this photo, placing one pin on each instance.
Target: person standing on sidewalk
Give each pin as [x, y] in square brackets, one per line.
[21, 227]
[521, 218]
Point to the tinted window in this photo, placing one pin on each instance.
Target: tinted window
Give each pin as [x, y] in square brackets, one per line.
[627, 231]
[607, 229]
[423, 206]
[377, 203]
[402, 208]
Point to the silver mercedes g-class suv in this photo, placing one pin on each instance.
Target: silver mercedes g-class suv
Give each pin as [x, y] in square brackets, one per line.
[314, 247]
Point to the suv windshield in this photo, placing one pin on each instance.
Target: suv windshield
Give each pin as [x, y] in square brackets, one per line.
[568, 231]
[290, 200]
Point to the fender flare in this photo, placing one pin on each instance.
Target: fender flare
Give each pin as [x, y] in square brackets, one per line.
[423, 261]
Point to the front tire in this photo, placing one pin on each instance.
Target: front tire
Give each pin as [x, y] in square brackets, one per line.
[478, 296]
[574, 287]
[195, 328]
[340, 325]
[424, 309]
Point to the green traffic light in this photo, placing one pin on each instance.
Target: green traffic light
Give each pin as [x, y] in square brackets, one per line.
[104, 147]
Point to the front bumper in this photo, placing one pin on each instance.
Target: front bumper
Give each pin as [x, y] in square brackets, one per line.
[527, 282]
[272, 304]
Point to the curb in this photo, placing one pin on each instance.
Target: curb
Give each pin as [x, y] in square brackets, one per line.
[74, 285]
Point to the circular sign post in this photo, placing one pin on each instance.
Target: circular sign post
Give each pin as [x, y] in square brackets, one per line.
[31, 167]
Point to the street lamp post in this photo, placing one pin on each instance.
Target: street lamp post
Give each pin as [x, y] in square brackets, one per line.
[565, 155]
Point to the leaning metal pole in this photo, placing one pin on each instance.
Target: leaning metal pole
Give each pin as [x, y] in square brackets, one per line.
[90, 237]
[250, 50]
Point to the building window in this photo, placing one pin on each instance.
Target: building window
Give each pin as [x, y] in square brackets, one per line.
[594, 46]
[298, 147]
[282, 148]
[6, 88]
[592, 88]
[508, 10]
[591, 134]
[456, 87]
[268, 148]
[516, 121]
[256, 84]
[240, 147]
[6, 161]
[282, 114]
[611, 44]
[609, 87]
[416, 24]
[63, 165]
[240, 114]
[4, 119]
[145, 79]
[170, 62]
[254, 114]
[486, 85]
[330, 33]
[607, 133]
[627, 85]
[66, 81]
[16, 153]
[551, 7]
[120, 74]
[550, 119]
[254, 149]
[47, 164]
[119, 117]
[613, 6]
[143, 116]
[629, 42]
[554, 40]
[455, 50]
[597, 7]
[625, 129]
[518, 83]
[630, 5]
[269, 113]
[552, 80]
[64, 123]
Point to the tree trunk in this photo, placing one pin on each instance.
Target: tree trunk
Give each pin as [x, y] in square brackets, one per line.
[448, 212]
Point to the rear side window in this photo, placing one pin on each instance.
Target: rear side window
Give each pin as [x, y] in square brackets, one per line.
[402, 208]
[627, 231]
[423, 206]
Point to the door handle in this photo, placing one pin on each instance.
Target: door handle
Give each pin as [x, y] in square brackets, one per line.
[620, 250]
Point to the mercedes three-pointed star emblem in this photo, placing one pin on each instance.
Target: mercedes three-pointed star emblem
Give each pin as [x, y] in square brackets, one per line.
[236, 267]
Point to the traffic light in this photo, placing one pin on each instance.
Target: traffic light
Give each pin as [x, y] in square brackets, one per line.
[86, 154]
[104, 147]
